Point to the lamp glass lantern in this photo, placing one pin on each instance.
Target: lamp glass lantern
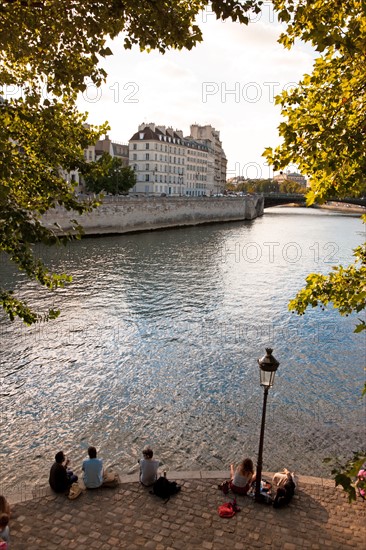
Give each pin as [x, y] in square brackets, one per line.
[268, 366]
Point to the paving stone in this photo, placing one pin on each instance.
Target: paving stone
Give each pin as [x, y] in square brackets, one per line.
[129, 518]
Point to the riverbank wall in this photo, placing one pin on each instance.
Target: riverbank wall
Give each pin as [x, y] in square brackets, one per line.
[131, 214]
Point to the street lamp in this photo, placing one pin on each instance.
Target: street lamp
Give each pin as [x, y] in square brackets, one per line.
[268, 366]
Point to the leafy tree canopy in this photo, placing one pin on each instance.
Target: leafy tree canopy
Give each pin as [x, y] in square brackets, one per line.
[345, 287]
[110, 176]
[64, 40]
[325, 114]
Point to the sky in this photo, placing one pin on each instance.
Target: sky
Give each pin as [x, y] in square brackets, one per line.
[229, 81]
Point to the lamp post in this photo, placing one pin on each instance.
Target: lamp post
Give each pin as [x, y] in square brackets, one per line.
[268, 366]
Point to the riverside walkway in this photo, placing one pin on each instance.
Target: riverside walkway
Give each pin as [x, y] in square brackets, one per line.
[129, 517]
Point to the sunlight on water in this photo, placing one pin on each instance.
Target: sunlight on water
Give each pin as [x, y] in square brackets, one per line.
[158, 343]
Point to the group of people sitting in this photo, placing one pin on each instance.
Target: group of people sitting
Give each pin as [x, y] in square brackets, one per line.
[62, 477]
[241, 481]
[243, 477]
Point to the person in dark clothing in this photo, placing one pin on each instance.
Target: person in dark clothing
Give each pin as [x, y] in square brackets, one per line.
[60, 477]
[285, 493]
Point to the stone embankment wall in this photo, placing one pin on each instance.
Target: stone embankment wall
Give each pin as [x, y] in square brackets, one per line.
[129, 214]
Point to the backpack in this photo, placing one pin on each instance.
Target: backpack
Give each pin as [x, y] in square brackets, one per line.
[164, 488]
[228, 509]
[225, 487]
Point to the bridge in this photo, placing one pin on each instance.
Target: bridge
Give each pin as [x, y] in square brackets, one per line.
[276, 199]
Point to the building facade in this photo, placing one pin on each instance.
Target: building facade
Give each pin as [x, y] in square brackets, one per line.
[166, 163]
[211, 137]
[114, 148]
[290, 176]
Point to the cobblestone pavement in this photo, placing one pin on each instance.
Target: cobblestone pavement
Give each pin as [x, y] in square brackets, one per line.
[130, 517]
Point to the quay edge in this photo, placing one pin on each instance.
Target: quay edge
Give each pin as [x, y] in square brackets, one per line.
[132, 214]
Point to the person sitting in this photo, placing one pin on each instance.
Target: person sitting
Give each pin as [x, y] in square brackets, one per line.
[4, 506]
[242, 477]
[286, 486]
[4, 530]
[148, 467]
[60, 476]
[94, 474]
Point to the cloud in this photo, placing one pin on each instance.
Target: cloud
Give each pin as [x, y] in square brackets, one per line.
[228, 81]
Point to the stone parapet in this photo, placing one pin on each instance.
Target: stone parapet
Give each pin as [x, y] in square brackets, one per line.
[131, 214]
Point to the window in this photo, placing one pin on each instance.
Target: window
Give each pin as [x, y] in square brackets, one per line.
[134, 156]
[147, 145]
[147, 166]
[147, 177]
[135, 146]
[147, 157]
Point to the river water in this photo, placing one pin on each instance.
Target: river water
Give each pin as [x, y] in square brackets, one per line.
[158, 342]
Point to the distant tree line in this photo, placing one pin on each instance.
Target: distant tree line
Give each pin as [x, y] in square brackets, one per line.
[266, 186]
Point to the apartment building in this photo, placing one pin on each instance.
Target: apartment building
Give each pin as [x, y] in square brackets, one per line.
[211, 137]
[114, 148]
[290, 176]
[166, 162]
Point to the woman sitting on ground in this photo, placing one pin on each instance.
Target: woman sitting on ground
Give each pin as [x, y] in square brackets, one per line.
[242, 477]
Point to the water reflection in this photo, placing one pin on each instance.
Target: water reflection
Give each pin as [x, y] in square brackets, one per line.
[158, 340]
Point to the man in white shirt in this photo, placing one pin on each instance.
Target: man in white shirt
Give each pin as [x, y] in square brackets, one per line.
[148, 467]
[93, 470]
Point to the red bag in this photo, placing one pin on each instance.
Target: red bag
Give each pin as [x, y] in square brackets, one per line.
[228, 509]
